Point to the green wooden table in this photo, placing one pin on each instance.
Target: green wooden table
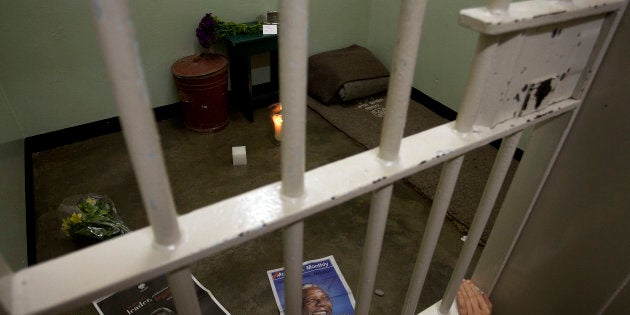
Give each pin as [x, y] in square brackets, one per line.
[240, 49]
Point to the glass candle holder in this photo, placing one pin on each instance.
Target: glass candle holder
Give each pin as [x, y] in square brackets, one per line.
[275, 112]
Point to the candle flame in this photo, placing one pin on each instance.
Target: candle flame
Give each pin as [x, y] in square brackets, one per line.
[277, 119]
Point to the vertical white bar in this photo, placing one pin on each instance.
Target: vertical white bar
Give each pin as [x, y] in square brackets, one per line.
[293, 249]
[403, 66]
[443, 194]
[543, 148]
[293, 55]
[184, 293]
[481, 68]
[399, 90]
[372, 247]
[498, 6]
[117, 37]
[488, 199]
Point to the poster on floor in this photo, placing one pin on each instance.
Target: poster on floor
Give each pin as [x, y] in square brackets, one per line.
[154, 297]
[324, 289]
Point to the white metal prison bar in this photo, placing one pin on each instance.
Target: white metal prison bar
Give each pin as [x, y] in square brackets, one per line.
[469, 109]
[132, 257]
[488, 198]
[498, 6]
[117, 38]
[399, 90]
[442, 199]
[293, 53]
[486, 50]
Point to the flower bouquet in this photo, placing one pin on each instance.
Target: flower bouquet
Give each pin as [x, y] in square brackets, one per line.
[211, 29]
[90, 218]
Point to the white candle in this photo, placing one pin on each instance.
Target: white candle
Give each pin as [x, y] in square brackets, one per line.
[239, 156]
[277, 126]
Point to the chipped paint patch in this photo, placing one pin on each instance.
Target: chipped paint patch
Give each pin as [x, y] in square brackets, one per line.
[441, 153]
[379, 180]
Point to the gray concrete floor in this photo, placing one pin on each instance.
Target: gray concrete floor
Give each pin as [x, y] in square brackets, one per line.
[201, 172]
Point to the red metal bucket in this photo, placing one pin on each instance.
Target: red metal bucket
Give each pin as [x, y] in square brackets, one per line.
[202, 82]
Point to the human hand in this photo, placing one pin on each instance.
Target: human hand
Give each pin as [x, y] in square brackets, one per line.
[471, 301]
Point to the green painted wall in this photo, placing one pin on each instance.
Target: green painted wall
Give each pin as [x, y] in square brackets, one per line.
[382, 29]
[338, 24]
[54, 78]
[446, 52]
[52, 69]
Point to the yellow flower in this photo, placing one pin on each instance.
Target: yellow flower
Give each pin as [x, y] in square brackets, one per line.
[65, 227]
[76, 217]
[90, 201]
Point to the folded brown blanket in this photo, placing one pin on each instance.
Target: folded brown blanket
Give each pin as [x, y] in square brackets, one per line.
[329, 71]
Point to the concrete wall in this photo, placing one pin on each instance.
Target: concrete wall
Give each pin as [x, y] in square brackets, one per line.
[573, 254]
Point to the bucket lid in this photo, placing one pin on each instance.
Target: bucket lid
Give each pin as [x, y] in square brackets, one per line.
[198, 65]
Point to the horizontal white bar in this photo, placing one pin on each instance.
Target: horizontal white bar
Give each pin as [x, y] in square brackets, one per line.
[82, 276]
[529, 14]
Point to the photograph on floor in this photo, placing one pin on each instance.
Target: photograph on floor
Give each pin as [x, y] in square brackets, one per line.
[324, 289]
[154, 297]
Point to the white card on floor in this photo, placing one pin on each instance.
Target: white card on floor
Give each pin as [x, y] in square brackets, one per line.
[270, 29]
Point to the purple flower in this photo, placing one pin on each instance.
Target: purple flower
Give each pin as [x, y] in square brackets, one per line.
[206, 31]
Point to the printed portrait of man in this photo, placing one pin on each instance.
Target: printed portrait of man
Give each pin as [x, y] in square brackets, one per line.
[315, 301]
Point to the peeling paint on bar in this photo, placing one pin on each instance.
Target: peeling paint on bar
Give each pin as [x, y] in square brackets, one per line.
[442, 153]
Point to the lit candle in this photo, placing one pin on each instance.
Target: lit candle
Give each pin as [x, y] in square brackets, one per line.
[277, 126]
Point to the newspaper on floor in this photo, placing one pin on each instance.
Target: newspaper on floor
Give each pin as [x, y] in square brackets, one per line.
[324, 289]
[154, 297]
